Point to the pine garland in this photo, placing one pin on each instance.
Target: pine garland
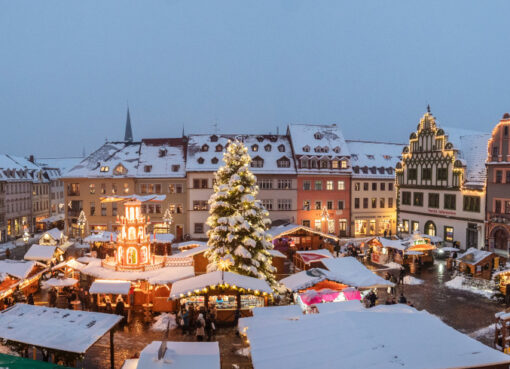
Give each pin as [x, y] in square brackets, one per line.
[238, 221]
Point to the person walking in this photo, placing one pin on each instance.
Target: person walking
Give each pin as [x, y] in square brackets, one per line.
[208, 326]
[30, 299]
[185, 321]
[200, 324]
[401, 275]
[402, 299]
[52, 298]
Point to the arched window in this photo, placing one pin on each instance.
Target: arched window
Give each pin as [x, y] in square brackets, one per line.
[131, 214]
[132, 233]
[430, 228]
[140, 232]
[143, 256]
[132, 256]
[120, 254]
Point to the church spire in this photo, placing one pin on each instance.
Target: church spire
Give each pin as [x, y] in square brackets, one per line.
[128, 135]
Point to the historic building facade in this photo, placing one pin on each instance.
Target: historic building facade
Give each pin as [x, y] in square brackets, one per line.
[441, 183]
[323, 177]
[373, 190]
[498, 188]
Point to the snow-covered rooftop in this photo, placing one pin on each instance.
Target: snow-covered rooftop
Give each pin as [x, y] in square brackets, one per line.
[187, 244]
[372, 159]
[103, 236]
[215, 278]
[286, 229]
[362, 339]
[205, 153]
[40, 253]
[53, 233]
[180, 355]
[473, 255]
[16, 268]
[162, 237]
[163, 157]
[59, 329]
[108, 286]
[351, 272]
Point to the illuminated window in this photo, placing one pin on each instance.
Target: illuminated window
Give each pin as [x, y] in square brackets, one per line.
[343, 164]
[120, 169]
[144, 256]
[341, 186]
[132, 257]
[131, 233]
[329, 185]
[120, 254]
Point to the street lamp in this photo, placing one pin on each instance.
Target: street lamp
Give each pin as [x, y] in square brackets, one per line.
[82, 220]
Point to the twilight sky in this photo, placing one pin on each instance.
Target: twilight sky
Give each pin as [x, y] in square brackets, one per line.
[69, 68]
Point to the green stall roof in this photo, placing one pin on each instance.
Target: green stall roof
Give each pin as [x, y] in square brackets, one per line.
[15, 362]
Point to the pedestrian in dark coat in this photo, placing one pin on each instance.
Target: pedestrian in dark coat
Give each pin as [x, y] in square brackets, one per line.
[30, 299]
[402, 299]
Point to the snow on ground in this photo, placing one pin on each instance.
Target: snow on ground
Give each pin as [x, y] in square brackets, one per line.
[409, 279]
[161, 322]
[393, 265]
[245, 351]
[458, 284]
[484, 332]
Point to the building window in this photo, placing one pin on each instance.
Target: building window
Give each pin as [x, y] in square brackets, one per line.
[200, 205]
[357, 186]
[434, 200]
[329, 185]
[103, 209]
[406, 198]
[341, 204]
[390, 186]
[507, 176]
[318, 205]
[472, 203]
[374, 186]
[449, 202]
[92, 208]
[418, 199]
[268, 204]
[405, 225]
[499, 176]
[114, 209]
[199, 227]
[257, 162]
[126, 188]
[92, 188]
[342, 225]
[307, 185]
[114, 188]
[284, 184]
[103, 188]
[73, 189]
[390, 202]
[265, 184]
[306, 205]
[381, 202]
[374, 202]
[415, 226]
[356, 203]
[306, 223]
[317, 225]
[448, 234]
[334, 164]
[147, 168]
[284, 204]
[426, 174]
[340, 185]
[442, 174]
[283, 163]
[318, 185]
[507, 207]
[329, 205]
[383, 186]
[365, 203]
[331, 226]
[343, 164]
[365, 186]
[497, 206]
[412, 174]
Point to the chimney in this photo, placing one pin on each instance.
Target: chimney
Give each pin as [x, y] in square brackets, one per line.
[31, 159]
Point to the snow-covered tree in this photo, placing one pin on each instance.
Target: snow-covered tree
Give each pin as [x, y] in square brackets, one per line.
[238, 221]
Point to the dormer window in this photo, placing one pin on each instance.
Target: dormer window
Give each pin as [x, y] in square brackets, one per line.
[325, 149]
[260, 138]
[387, 157]
[162, 152]
[324, 164]
[317, 149]
[281, 148]
[257, 162]
[267, 147]
[304, 163]
[354, 156]
[343, 164]
[273, 138]
[314, 163]
[175, 167]
[214, 160]
[318, 135]
[370, 157]
[200, 160]
[147, 168]
[337, 149]
[205, 147]
[390, 170]
[283, 162]
[254, 148]
[214, 138]
[120, 169]
[219, 148]
[306, 148]
[105, 169]
[334, 164]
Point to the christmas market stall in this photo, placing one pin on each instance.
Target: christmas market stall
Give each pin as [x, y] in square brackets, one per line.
[110, 292]
[292, 237]
[304, 260]
[226, 291]
[60, 335]
[478, 263]
[418, 243]
[278, 260]
[19, 277]
[384, 250]
[102, 243]
[193, 256]
[44, 254]
[162, 243]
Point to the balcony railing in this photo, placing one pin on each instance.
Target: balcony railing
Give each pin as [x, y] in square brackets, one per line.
[499, 217]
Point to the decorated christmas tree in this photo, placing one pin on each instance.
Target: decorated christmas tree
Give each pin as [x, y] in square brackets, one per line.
[238, 221]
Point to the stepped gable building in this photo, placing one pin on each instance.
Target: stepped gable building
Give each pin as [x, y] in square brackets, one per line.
[441, 183]
[498, 188]
[373, 190]
[323, 177]
[272, 164]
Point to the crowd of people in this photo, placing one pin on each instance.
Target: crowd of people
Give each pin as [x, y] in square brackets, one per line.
[198, 321]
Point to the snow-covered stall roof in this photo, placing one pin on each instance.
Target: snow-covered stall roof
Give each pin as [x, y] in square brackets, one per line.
[372, 159]
[53, 218]
[216, 278]
[17, 268]
[157, 276]
[162, 158]
[40, 252]
[310, 256]
[473, 255]
[180, 355]
[307, 278]
[367, 339]
[58, 329]
[187, 244]
[472, 150]
[351, 272]
[53, 234]
[393, 244]
[276, 254]
[71, 263]
[205, 152]
[113, 159]
[286, 229]
[108, 286]
[59, 282]
[104, 236]
[134, 197]
[162, 237]
[190, 252]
